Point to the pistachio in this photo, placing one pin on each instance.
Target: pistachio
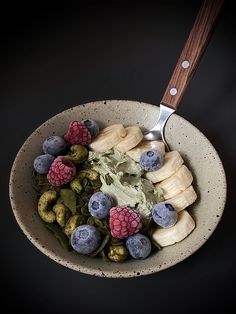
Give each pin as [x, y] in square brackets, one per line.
[76, 185]
[90, 174]
[84, 180]
[44, 204]
[62, 214]
[78, 154]
[117, 253]
[73, 223]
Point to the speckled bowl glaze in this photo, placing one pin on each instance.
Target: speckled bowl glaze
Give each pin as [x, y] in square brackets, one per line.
[197, 151]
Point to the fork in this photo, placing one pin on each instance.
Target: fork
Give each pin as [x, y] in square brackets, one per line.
[188, 61]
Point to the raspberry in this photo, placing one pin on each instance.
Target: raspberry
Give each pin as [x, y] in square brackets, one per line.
[124, 222]
[77, 134]
[61, 171]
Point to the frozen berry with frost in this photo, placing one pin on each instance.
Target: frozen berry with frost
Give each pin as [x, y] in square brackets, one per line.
[124, 222]
[164, 214]
[138, 246]
[42, 163]
[92, 126]
[61, 172]
[54, 145]
[100, 204]
[85, 239]
[151, 160]
[77, 134]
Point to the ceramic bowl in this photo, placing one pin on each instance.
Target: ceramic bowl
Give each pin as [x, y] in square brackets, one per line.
[198, 153]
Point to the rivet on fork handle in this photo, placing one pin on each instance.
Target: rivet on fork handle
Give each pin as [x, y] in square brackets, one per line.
[193, 50]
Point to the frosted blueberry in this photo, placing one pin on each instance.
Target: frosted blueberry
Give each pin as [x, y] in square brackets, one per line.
[100, 204]
[92, 126]
[54, 145]
[164, 215]
[85, 239]
[42, 163]
[139, 246]
[151, 160]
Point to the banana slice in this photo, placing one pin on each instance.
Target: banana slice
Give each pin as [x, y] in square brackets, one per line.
[108, 138]
[177, 183]
[137, 151]
[172, 162]
[168, 236]
[133, 137]
[183, 199]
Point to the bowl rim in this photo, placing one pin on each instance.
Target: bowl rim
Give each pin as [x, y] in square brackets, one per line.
[96, 271]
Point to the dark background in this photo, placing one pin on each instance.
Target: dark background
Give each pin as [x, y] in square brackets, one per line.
[54, 58]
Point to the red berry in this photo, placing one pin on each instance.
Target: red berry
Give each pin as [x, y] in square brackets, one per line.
[77, 134]
[61, 172]
[124, 222]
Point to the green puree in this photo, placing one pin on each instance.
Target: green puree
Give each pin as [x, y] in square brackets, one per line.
[121, 178]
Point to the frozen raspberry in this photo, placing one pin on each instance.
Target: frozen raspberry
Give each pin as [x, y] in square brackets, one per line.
[124, 222]
[61, 171]
[77, 134]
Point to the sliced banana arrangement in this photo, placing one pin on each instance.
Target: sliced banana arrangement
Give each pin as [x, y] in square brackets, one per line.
[137, 151]
[176, 183]
[133, 137]
[183, 199]
[166, 171]
[168, 236]
[172, 162]
[108, 138]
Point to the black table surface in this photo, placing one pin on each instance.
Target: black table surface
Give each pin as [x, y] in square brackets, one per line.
[54, 58]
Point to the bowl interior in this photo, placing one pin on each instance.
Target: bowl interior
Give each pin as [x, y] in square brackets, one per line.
[197, 151]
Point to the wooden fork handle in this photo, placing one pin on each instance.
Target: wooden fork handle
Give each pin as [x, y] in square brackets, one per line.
[192, 52]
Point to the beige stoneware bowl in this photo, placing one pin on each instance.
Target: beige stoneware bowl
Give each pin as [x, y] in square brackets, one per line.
[197, 151]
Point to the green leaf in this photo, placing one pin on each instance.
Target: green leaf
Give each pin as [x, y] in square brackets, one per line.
[102, 226]
[69, 199]
[104, 257]
[90, 220]
[84, 210]
[58, 233]
[102, 245]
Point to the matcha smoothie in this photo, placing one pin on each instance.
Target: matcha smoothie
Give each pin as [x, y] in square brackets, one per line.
[121, 178]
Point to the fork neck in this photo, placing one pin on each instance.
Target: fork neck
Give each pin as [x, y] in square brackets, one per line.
[164, 114]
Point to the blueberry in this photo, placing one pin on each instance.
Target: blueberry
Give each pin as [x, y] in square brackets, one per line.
[42, 163]
[100, 204]
[85, 239]
[151, 160]
[54, 145]
[164, 215]
[92, 126]
[139, 246]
